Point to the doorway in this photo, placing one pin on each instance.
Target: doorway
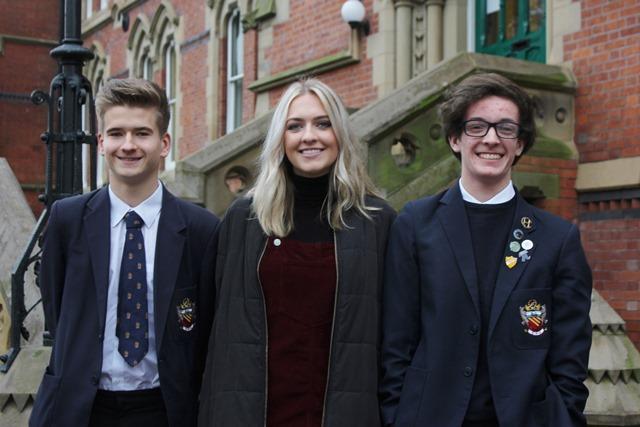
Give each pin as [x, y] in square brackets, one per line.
[511, 28]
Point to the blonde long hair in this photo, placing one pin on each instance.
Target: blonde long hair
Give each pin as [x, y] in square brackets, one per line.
[349, 182]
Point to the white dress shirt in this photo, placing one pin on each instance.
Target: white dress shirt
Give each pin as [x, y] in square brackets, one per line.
[503, 196]
[117, 374]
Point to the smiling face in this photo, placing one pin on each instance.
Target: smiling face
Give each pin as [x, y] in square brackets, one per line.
[309, 141]
[486, 161]
[132, 147]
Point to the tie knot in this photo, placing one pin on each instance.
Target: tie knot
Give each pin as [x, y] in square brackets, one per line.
[133, 220]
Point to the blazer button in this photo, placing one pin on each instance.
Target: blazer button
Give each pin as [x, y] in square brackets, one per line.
[473, 329]
[468, 371]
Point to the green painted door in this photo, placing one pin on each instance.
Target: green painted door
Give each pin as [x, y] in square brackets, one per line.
[513, 28]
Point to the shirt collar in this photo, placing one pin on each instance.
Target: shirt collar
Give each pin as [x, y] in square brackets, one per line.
[503, 196]
[148, 209]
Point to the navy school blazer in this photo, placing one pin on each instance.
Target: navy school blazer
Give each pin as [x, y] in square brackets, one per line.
[539, 333]
[74, 282]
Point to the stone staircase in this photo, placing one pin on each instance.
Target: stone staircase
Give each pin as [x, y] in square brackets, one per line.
[407, 116]
[614, 370]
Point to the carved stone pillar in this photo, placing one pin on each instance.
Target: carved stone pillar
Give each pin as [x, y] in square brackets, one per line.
[434, 32]
[404, 49]
[419, 39]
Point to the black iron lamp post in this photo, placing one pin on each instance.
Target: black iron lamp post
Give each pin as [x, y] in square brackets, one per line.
[69, 93]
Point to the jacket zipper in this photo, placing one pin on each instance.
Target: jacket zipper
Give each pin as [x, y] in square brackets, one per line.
[266, 334]
[333, 325]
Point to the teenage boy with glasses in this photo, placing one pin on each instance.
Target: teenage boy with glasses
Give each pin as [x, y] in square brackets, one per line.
[486, 299]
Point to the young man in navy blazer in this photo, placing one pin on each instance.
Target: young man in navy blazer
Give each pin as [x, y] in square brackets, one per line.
[486, 299]
[126, 282]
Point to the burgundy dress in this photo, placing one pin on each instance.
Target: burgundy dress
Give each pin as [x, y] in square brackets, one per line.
[298, 279]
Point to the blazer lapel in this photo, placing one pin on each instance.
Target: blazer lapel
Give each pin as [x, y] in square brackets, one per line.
[98, 231]
[523, 222]
[453, 217]
[169, 247]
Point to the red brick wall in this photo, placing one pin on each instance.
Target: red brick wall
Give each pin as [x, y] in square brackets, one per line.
[565, 205]
[24, 68]
[613, 249]
[30, 19]
[250, 62]
[193, 68]
[605, 55]
[315, 29]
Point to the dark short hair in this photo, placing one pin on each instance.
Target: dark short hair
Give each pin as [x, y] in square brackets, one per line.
[134, 93]
[459, 98]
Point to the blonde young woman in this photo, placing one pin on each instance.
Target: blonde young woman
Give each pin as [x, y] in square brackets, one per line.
[295, 340]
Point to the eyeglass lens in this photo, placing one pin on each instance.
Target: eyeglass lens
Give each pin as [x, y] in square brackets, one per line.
[478, 128]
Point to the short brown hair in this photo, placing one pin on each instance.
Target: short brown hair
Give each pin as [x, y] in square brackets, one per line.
[134, 93]
[479, 86]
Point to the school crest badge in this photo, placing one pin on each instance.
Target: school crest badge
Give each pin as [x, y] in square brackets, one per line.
[534, 317]
[186, 314]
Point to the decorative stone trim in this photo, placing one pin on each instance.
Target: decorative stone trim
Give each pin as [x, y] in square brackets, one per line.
[97, 21]
[614, 204]
[105, 16]
[263, 10]
[612, 354]
[317, 66]
[203, 37]
[25, 40]
[609, 174]
[126, 5]
[614, 370]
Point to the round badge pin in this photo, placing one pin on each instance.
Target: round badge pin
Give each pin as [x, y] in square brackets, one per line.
[527, 244]
[518, 234]
[514, 246]
[277, 242]
[526, 222]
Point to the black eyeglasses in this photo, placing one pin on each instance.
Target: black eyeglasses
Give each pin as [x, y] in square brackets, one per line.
[479, 128]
